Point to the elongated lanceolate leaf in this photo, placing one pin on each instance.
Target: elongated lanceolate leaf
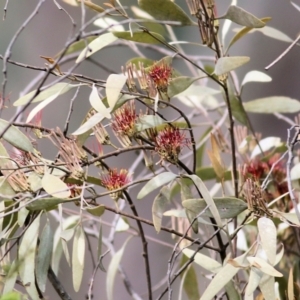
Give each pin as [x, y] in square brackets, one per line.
[114, 85]
[15, 137]
[78, 257]
[227, 64]
[27, 252]
[165, 10]
[242, 17]
[256, 76]
[96, 45]
[140, 37]
[263, 266]
[156, 182]
[227, 207]
[159, 205]
[112, 270]
[274, 104]
[58, 88]
[44, 256]
[180, 84]
[148, 121]
[90, 123]
[97, 103]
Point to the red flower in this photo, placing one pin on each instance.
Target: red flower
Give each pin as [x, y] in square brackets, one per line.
[169, 143]
[115, 180]
[160, 74]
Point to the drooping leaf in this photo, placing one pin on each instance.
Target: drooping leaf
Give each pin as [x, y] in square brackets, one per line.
[156, 182]
[291, 285]
[78, 257]
[56, 89]
[274, 34]
[254, 280]
[238, 110]
[15, 137]
[273, 104]
[114, 85]
[10, 279]
[239, 16]
[268, 238]
[55, 187]
[90, 123]
[97, 104]
[158, 207]
[263, 266]
[190, 283]
[97, 211]
[203, 261]
[226, 273]
[149, 121]
[165, 10]
[96, 45]
[265, 145]
[44, 256]
[180, 84]
[267, 287]
[256, 76]
[140, 37]
[207, 197]
[27, 254]
[228, 207]
[112, 270]
[227, 64]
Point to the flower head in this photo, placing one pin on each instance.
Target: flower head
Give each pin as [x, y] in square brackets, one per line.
[160, 73]
[124, 123]
[169, 143]
[115, 179]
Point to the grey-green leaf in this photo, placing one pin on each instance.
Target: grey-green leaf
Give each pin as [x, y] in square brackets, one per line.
[159, 205]
[239, 16]
[44, 256]
[180, 84]
[15, 137]
[140, 37]
[274, 104]
[156, 182]
[165, 10]
[227, 207]
[227, 64]
[148, 121]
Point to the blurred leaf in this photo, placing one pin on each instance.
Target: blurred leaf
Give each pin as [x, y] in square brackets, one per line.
[15, 137]
[238, 110]
[35, 181]
[268, 238]
[11, 296]
[149, 121]
[5, 187]
[242, 32]
[97, 211]
[274, 104]
[54, 186]
[99, 248]
[266, 144]
[239, 16]
[207, 197]
[190, 280]
[254, 280]
[156, 182]
[180, 84]
[146, 62]
[93, 6]
[274, 34]
[48, 203]
[291, 285]
[96, 45]
[78, 257]
[267, 287]
[77, 46]
[263, 266]
[140, 37]
[227, 272]
[232, 292]
[203, 261]
[256, 76]
[90, 123]
[114, 85]
[159, 205]
[109, 23]
[44, 256]
[4, 157]
[27, 252]
[165, 10]
[10, 280]
[122, 225]
[112, 270]
[98, 105]
[227, 207]
[227, 64]
[56, 89]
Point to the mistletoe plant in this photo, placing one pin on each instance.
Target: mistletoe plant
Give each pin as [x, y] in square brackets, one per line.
[226, 195]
